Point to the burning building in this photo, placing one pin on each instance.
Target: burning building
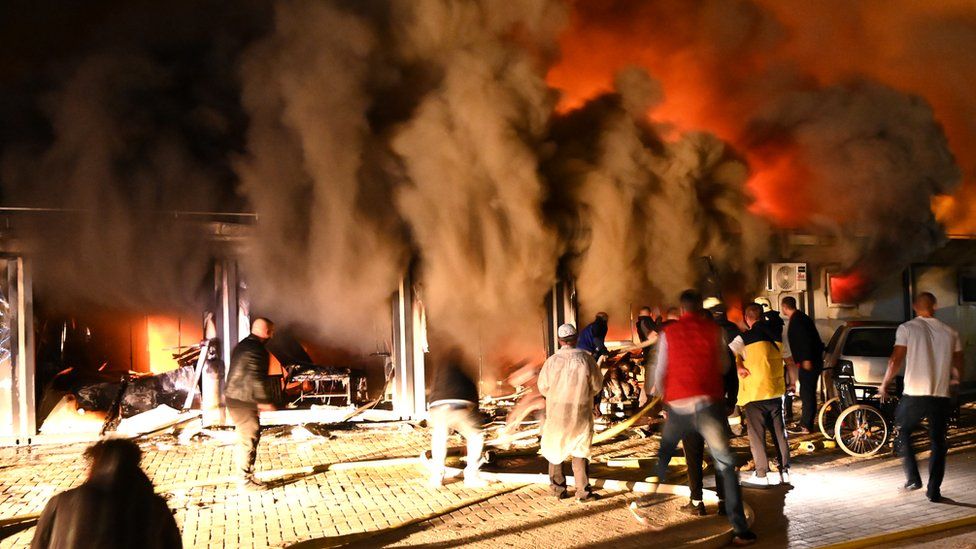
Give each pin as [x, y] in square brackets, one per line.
[489, 169]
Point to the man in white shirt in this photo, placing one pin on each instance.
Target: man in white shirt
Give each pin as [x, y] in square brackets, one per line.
[933, 365]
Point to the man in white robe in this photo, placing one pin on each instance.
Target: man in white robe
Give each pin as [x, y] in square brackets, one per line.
[569, 381]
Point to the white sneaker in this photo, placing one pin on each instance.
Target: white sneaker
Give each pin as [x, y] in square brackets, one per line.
[784, 477]
[773, 478]
[753, 480]
[474, 482]
[436, 480]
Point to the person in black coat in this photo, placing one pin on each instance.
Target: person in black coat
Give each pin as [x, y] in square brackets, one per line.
[247, 394]
[807, 350]
[116, 507]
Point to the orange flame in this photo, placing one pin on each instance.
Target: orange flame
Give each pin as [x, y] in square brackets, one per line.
[163, 335]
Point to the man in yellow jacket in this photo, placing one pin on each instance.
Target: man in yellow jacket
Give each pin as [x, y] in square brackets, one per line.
[761, 389]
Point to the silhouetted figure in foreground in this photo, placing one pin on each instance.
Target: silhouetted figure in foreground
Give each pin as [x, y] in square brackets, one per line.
[116, 508]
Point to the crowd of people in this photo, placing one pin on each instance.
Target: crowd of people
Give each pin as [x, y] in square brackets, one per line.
[697, 362]
[703, 367]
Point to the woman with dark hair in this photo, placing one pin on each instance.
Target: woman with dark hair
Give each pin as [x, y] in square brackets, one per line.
[115, 508]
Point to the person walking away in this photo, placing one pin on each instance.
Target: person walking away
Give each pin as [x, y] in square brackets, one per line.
[593, 337]
[792, 376]
[691, 359]
[569, 381]
[731, 378]
[932, 354]
[247, 394]
[807, 350]
[115, 508]
[454, 407]
[761, 389]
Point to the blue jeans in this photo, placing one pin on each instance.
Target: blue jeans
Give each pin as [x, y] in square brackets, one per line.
[710, 422]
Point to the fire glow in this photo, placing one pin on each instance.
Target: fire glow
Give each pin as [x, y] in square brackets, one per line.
[847, 288]
[719, 69]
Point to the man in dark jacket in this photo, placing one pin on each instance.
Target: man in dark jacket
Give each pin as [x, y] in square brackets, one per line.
[454, 407]
[592, 338]
[807, 350]
[248, 393]
[731, 378]
[646, 328]
[116, 508]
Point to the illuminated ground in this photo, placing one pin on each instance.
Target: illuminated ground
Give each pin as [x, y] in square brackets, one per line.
[834, 497]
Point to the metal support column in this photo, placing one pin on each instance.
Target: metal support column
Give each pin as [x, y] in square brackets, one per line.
[18, 415]
[226, 289]
[409, 336]
[560, 309]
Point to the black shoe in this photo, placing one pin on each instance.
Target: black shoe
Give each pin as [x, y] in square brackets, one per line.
[743, 539]
[587, 496]
[694, 510]
[721, 508]
[911, 486]
[251, 484]
[934, 498]
[562, 495]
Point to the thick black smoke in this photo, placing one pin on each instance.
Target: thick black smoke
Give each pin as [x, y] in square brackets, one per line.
[376, 138]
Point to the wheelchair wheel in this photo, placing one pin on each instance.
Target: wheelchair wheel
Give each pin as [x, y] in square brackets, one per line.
[861, 430]
[827, 418]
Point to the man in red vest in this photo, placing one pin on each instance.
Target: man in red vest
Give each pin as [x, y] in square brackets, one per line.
[691, 360]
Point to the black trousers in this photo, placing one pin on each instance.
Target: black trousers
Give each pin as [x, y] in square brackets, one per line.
[767, 415]
[730, 382]
[248, 424]
[911, 411]
[581, 476]
[694, 445]
[808, 396]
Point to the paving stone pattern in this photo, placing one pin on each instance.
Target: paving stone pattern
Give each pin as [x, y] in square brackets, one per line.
[834, 497]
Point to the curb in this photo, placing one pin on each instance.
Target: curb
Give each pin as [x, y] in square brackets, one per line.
[900, 535]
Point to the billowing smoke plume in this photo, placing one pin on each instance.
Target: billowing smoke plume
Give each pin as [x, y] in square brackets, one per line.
[376, 139]
[474, 198]
[327, 250]
[639, 213]
[760, 75]
[117, 118]
[347, 187]
[116, 175]
[872, 159]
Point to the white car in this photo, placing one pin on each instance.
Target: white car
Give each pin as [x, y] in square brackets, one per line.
[861, 349]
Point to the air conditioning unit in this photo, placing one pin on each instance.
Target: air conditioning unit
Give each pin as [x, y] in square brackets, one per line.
[786, 277]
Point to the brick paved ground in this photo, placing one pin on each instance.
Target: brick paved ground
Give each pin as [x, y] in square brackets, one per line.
[834, 497]
[837, 498]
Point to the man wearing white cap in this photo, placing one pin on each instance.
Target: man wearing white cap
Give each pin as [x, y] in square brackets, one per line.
[569, 380]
